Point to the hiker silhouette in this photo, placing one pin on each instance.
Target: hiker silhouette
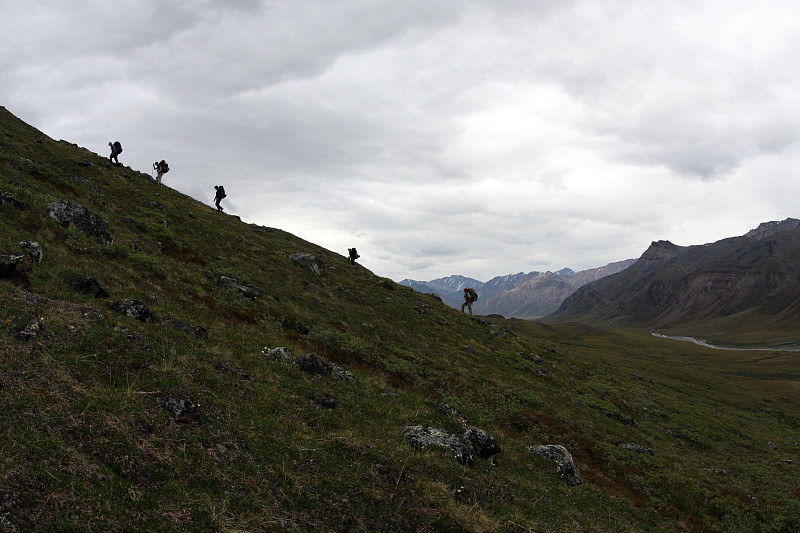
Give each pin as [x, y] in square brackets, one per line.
[352, 255]
[219, 196]
[116, 149]
[161, 168]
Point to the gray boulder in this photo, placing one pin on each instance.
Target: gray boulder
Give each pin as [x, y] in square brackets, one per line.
[422, 437]
[8, 199]
[316, 366]
[33, 249]
[16, 268]
[191, 329]
[451, 412]
[89, 285]
[250, 292]
[33, 329]
[483, 445]
[85, 220]
[135, 309]
[280, 353]
[565, 464]
[180, 409]
[313, 263]
[636, 448]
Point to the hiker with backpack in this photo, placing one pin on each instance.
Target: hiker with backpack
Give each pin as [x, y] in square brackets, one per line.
[219, 196]
[116, 149]
[161, 168]
[353, 255]
[469, 296]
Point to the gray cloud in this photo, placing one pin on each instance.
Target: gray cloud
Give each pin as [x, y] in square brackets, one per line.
[480, 138]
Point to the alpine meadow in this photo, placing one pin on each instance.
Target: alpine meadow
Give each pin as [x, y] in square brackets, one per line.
[165, 366]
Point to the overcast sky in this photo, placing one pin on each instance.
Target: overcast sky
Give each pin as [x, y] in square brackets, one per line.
[475, 137]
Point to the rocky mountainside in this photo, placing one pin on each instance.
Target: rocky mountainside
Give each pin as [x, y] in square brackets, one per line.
[755, 277]
[168, 367]
[521, 295]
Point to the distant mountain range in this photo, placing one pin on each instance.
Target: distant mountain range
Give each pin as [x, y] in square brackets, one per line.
[520, 295]
[742, 283]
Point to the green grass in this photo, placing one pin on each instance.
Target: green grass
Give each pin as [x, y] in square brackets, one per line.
[85, 445]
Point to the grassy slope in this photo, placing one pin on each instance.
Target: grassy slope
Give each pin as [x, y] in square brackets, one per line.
[85, 445]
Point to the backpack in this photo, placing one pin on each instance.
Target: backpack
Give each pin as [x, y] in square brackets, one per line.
[472, 296]
[164, 167]
[221, 192]
[117, 147]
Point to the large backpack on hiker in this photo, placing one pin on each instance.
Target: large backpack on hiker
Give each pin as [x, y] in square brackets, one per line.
[471, 295]
[117, 147]
[164, 167]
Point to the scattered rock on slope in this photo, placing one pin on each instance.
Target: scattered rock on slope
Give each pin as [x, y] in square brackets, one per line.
[16, 268]
[250, 292]
[89, 285]
[85, 220]
[135, 309]
[421, 437]
[565, 464]
[313, 263]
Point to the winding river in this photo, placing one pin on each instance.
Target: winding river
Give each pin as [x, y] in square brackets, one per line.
[701, 342]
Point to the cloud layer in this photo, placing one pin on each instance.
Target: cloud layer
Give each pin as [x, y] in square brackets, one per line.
[478, 138]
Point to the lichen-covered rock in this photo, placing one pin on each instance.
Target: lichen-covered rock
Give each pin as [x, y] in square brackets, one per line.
[565, 464]
[180, 409]
[135, 309]
[422, 437]
[16, 268]
[33, 329]
[483, 445]
[85, 220]
[89, 285]
[636, 448]
[250, 292]
[193, 329]
[280, 353]
[33, 249]
[451, 412]
[313, 263]
[316, 366]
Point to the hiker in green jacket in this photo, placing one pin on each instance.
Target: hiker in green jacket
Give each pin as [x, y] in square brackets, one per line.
[469, 296]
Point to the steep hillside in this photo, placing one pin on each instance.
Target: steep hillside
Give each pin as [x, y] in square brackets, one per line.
[166, 367]
[741, 287]
[531, 295]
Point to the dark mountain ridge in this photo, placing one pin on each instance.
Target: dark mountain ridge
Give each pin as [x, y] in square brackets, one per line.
[713, 288]
[520, 295]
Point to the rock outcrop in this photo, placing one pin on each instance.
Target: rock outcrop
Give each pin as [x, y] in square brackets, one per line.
[251, 292]
[66, 213]
[422, 437]
[135, 309]
[33, 249]
[89, 285]
[17, 268]
[483, 445]
[311, 262]
[565, 464]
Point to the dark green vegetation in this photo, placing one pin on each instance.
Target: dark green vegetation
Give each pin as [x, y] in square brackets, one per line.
[85, 445]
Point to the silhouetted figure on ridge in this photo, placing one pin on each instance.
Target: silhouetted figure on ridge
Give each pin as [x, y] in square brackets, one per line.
[116, 149]
[219, 196]
[353, 255]
[161, 168]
